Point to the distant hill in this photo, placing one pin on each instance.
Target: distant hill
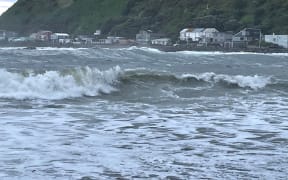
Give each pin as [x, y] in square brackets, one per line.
[126, 17]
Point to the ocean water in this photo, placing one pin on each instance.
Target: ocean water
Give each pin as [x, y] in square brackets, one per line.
[138, 113]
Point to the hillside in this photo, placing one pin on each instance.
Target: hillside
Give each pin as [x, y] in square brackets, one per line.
[126, 17]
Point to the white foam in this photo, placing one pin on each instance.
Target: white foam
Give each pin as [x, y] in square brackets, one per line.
[153, 50]
[227, 53]
[11, 48]
[254, 82]
[54, 85]
[215, 53]
[58, 49]
[279, 54]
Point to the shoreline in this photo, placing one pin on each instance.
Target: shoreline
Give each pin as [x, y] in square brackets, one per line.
[220, 49]
[31, 46]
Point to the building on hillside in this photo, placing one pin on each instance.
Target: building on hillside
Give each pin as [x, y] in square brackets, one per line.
[6, 35]
[248, 35]
[186, 34]
[114, 40]
[280, 40]
[120, 40]
[61, 38]
[84, 39]
[206, 36]
[44, 35]
[213, 36]
[161, 41]
[209, 35]
[192, 34]
[97, 32]
[146, 36]
[143, 37]
[104, 41]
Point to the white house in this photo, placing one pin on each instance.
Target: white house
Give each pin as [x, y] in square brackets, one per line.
[205, 36]
[185, 34]
[194, 35]
[97, 32]
[161, 41]
[62, 38]
[280, 40]
[210, 33]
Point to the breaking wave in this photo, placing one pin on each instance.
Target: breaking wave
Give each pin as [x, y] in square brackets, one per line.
[146, 49]
[253, 82]
[58, 85]
[93, 82]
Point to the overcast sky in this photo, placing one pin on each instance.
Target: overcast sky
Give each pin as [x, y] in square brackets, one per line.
[5, 4]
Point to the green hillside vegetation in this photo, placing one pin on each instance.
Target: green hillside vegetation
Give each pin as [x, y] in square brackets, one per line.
[126, 17]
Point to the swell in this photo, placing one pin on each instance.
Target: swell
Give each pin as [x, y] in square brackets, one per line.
[239, 81]
[88, 81]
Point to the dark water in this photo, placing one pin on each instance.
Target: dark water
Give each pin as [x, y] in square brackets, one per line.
[138, 113]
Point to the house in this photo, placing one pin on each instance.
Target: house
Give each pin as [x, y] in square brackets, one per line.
[126, 41]
[205, 36]
[245, 37]
[198, 34]
[97, 32]
[43, 35]
[161, 41]
[209, 35]
[280, 40]
[85, 39]
[62, 38]
[145, 36]
[248, 34]
[115, 40]
[213, 36]
[186, 34]
[190, 34]
[104, 41]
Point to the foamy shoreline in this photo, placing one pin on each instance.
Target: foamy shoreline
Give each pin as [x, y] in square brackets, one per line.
[33, 45]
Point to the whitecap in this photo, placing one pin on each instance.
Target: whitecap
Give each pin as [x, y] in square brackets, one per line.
[56, 85]
[254, 82]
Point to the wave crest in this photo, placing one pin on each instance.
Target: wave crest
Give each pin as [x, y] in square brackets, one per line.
[254, 82]
[93, 82]
[56, 85]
